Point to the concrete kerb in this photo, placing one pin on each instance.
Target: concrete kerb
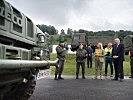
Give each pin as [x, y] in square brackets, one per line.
[87, 77]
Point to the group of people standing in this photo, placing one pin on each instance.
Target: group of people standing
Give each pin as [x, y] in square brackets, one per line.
[100, 55]
[112, 55]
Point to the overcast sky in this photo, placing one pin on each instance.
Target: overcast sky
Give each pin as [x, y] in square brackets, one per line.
[92, 15]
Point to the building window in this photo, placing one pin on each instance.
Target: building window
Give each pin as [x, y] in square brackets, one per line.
[76, 37]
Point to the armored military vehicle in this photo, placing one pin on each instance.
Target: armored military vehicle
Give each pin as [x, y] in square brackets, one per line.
[78, 38]
[128, 43]
[93, 40]
[24, 49]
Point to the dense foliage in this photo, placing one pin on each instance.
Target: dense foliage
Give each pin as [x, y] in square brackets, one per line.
[56, 36]
[49, 29]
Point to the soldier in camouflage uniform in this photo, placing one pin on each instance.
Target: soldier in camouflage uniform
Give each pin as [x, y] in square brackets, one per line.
[99, 60]
[80, 59]
[61, 52]
[131, 61]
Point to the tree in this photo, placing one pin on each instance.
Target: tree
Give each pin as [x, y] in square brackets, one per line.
[62, 32]
[51, 39]
[53, 30]
[49, 29]
[61, 37]
[69, 32]
[75, 31]
[81, 31]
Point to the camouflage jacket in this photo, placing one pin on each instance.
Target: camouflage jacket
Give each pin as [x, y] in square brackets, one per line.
[81, 55]
[61, 52]
[99, 55]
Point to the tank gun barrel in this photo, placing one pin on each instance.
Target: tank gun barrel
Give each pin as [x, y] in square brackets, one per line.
[13, 64]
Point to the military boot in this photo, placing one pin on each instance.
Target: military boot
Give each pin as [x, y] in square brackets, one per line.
[77, 76]
[59, 77]
[83, 76]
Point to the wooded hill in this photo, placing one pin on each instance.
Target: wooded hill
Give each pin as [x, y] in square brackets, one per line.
[56, 36]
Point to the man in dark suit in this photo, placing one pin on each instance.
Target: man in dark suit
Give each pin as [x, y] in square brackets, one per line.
[89, 57]
[118, 58]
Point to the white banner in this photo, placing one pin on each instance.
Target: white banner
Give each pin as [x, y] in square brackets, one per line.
[42, 74]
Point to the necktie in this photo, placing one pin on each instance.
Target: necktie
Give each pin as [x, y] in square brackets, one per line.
[117, 46]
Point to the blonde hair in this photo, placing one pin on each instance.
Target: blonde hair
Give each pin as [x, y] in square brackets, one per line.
[101, 45]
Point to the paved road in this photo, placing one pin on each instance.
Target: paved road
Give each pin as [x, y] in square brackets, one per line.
[82, 89]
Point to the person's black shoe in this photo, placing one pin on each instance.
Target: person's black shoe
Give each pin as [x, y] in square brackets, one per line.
[115, 79]
[77, 77]
[121, 80]
[83, 77]
[61, 78]
[130, 76]
[55, 78]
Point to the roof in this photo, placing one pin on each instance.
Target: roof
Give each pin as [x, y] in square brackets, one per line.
[93, 40]
[78, 38]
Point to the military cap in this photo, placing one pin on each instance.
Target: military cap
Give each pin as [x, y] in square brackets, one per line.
[61, 41]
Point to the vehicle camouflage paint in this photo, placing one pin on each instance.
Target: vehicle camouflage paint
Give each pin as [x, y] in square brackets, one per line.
[24, 49]
[78, 38]
[92, 40]
[128, 43]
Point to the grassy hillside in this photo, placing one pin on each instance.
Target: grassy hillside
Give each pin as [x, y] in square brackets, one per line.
[70, 66]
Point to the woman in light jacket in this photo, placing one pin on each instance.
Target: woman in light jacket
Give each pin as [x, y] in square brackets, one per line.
[99, 59]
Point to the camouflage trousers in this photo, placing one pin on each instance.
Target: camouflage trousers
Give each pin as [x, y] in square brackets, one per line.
[98, 66]
[78, 67]
[60, 68]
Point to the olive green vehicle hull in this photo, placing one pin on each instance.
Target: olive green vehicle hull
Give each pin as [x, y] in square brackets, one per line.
[77, 39]
[24, 50]
[128, 42]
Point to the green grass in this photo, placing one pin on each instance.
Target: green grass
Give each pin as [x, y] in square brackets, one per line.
[70, 66]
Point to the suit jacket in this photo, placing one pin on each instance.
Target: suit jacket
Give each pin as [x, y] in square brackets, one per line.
[118, 51]
[131, 53]
[89, 51]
